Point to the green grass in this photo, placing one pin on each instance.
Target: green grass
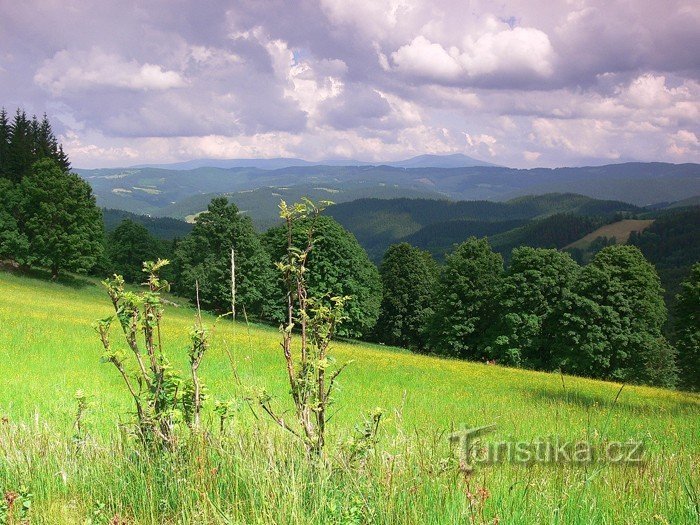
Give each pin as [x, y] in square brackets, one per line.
[257, 473]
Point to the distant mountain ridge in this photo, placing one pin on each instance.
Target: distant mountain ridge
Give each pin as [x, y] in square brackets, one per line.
[455, 160]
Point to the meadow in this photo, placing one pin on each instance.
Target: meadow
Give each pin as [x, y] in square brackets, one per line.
[254, 472]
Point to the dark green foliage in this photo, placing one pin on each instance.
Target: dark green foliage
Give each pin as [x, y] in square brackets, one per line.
[468, 283]
[204, 256]
[25, 227]
[13, 241]
[128, 246]
[440, 237]
[672, 244]
[337, 266]
[609, 326]
[534, 284]
[24, 141]
[4, 144]
[435, 225]
[409, 276]
[687, 330]
[61, 221]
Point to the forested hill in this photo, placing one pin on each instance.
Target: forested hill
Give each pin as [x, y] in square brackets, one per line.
[164, 228]
[553, 220]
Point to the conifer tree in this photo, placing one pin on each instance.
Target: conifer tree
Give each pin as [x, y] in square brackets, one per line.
[4, 143]
[61, 220]
[20, 155]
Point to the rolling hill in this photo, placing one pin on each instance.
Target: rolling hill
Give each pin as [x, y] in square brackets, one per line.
[437, 224]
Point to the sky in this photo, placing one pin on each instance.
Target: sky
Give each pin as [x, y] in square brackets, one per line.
[518, 83]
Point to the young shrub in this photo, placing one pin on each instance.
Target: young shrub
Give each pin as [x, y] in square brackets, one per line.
[162, 397]
[315, 320]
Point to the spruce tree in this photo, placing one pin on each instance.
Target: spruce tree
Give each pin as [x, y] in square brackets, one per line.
[20, 155]
[61, 220]
[4, 144]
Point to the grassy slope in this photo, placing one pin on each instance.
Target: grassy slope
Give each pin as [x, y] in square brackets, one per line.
[48, 350]
[620, 231]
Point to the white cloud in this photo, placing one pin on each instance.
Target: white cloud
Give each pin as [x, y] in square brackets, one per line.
[518, 53]
[426, 59]
[70, 71]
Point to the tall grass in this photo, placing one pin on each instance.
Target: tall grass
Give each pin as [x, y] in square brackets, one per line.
[256, 473]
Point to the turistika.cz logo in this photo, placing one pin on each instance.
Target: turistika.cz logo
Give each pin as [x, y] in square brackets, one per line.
[474, 450]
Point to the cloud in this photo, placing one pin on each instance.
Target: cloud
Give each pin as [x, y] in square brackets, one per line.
[520, 82]
[82, 71]
[516, 53]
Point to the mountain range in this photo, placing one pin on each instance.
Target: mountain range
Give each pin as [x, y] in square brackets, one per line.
[180, 193]
[456, 160]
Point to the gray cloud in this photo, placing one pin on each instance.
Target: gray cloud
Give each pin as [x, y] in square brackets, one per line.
[523, 82]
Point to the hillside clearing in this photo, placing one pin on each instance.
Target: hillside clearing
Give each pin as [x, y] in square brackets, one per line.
[620, 231]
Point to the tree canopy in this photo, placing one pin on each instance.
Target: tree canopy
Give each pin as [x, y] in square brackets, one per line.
[409, 277]
[337, 266]
[204, 256]
[468, 283]
[687, 330]
[62, 223]
[609, 326]
[535, 282]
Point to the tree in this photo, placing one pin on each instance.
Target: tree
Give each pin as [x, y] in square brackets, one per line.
[14, 244]
[534, 284]
[609, 325]
[4, 144]
[409, 278]
[468, 282]
[338, 266]
[61, 220]
[687, 330]
[20, 154]
[204, 256]
[128, 246]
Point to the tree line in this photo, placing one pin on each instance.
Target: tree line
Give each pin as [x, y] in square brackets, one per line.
[542, 311]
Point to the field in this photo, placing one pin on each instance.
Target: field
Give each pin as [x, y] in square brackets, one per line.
[256, 473]
[620, 231]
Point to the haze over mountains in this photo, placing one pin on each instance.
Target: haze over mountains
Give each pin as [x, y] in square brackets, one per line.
[456, 160]
[184, 189]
